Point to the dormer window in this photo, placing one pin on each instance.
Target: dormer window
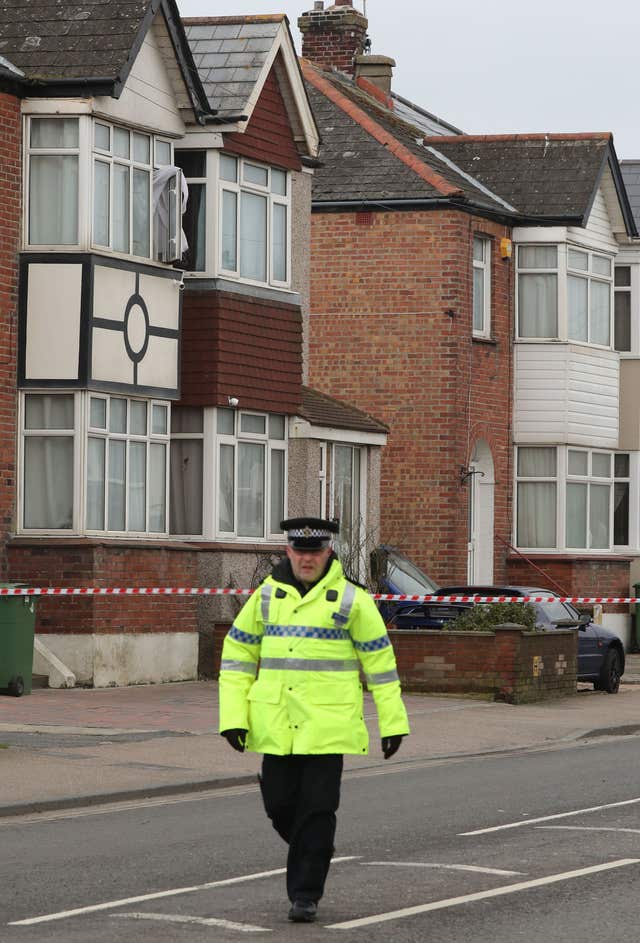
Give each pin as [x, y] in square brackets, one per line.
[136, 194]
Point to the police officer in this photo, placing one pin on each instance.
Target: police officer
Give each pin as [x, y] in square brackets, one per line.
[290, 689]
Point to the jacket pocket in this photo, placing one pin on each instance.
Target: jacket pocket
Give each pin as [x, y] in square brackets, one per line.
[332, 693]
[265, 692]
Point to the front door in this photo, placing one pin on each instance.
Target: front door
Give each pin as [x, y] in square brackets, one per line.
[480, 530]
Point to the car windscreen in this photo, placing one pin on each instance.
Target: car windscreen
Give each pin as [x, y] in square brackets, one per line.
[557, 611]
[408, 578]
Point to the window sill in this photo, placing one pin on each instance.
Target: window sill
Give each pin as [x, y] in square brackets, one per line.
[480, 339]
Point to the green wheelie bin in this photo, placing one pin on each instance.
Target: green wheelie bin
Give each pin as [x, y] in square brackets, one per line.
[17, 622]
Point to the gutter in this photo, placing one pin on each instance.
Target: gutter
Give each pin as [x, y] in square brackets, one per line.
[514, 219]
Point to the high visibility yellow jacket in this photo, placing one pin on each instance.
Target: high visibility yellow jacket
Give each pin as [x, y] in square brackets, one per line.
[290, 669]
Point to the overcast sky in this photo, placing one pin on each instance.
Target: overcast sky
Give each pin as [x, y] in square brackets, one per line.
[493, 67]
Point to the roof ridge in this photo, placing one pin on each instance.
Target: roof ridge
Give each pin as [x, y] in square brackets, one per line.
[538, 136]
[221, 20]
[421, 168]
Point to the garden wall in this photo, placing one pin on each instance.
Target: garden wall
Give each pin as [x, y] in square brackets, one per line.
[511, 664]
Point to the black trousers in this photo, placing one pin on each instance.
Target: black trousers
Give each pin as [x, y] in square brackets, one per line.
[301, 795]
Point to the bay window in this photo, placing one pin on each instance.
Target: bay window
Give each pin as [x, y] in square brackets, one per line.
[564, 292]
[254, 221]
[572, 498]
[127, 455]
[244, 454]
[133, 203]
[94, 463]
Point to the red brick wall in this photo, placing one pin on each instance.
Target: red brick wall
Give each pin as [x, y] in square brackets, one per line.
[268, 136]
[10, 190]
[500, 663]
[390, 332]
[86, 563]
[574, 576]
[240, 346]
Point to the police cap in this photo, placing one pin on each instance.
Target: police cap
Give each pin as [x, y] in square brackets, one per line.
[309, 533]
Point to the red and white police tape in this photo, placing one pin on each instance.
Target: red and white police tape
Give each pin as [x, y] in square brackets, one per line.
[208, 591]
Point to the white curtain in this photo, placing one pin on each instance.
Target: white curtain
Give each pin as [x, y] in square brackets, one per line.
[599, 500]
[538, 305]
[137, 486]
[576, 515]
[48, 482]
[117, 473]
[157, 488]
[53, 200]
[600, 313]
[536, 524]
[253, 237]
[577, 290]
[95, 483]
[226, 489]
[251, 468]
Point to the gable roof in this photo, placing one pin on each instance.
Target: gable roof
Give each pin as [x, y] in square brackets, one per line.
[234, 56]
[67, 48]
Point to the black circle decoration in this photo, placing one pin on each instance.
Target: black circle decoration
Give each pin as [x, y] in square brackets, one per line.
[136, 301]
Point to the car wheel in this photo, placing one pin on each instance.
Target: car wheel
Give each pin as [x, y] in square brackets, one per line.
[609, 679]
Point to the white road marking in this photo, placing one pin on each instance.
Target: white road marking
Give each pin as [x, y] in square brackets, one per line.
[201, 921]
[481, 895]
[589, 828]
[548, 818]
[447, 867]
[173, 892]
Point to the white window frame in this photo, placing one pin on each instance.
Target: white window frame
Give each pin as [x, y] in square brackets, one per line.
[482, 265]
[271, 445]
[88, 153]
[81, 433]
[148, 439]
[562, 479]
[82, 196]
[240, 186]
[562, 272]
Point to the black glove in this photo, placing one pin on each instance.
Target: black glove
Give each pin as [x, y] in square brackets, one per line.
[236, 738]
[391, 745]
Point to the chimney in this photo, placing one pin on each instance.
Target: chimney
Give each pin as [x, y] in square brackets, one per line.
[334, 36]
[375, 69]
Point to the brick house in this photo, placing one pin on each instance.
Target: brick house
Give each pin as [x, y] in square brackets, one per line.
[163, 426]
[462, 291]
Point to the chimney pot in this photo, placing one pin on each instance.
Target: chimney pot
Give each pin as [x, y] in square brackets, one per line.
[376, 69]
[318, 5]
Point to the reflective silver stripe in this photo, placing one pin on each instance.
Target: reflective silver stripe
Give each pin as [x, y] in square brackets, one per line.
[382, 677]
[349, 594]
[309, 664]
[249, 667]
[265, 596]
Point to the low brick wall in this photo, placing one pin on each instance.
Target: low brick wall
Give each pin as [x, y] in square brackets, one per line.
[511, 663]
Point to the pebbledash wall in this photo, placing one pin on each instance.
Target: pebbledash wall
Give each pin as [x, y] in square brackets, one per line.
[391, 330]
[10, 183]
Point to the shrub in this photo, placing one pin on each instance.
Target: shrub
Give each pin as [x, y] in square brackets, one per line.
[485, 617]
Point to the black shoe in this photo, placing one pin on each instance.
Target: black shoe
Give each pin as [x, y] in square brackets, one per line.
[303, 911]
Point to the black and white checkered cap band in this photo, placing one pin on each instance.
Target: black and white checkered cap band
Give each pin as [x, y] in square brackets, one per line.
[320, 532]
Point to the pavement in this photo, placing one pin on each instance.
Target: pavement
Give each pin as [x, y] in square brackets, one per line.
[61, 748]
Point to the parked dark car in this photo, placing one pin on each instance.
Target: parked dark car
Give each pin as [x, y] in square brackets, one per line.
[395, 574]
